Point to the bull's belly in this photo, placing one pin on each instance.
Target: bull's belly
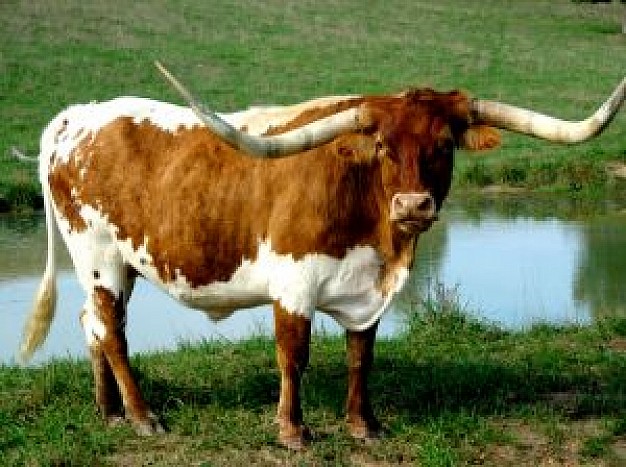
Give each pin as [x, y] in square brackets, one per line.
[348, 289]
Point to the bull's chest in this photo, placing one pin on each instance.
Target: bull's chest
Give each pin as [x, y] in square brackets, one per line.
[355, 289]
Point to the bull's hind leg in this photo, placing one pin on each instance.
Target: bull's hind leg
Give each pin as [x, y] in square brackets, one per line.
[105, 278]
[108, 397]
[360, 417]
[104, 321]
[293, 335]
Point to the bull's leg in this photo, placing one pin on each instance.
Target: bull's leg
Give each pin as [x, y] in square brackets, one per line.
[108, 399]
[107, 395]
[103, 322]
[293, 335]
[359, 414]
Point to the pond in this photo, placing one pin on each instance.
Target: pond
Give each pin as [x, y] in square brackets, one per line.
[511, 261]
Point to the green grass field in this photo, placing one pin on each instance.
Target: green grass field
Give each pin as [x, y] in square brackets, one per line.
[450, 391]
[556, 56]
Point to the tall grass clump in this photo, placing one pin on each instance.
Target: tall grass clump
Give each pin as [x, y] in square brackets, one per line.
[440, 312]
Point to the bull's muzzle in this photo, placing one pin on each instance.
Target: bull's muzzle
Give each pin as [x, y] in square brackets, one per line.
[413, 212]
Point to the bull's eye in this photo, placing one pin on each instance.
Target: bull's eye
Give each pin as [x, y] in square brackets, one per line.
[440, 157]
[379, 146]
[380, 150]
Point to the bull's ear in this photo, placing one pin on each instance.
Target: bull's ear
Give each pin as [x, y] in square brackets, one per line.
[480, 137]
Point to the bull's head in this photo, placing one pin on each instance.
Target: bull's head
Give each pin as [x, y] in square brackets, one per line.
[416, 134]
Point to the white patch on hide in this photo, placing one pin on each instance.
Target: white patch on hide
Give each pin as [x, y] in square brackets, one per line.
[259, 120]
[74, 124]
[347, 289]
[71, 126]
[92, 325]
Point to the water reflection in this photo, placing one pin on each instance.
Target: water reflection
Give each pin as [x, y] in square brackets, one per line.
[599, 278]
[510, 261]
[517, 261]
[514, 273]
[22, 245]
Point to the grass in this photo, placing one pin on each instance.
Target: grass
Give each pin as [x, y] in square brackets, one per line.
[450, 391]
[556, 56]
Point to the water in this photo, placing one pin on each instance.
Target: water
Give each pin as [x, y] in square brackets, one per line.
[509, 261]
[513, 271]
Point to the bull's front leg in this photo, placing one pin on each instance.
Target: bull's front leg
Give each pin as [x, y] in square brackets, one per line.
[293, 335]
[362, 423]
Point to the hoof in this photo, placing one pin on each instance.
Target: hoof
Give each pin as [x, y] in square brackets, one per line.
[114, 420]
[365, 431]
[295, 439]
[149, 426]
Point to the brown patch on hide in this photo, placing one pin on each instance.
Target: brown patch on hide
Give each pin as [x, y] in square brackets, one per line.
[64, 181]
[316, 113]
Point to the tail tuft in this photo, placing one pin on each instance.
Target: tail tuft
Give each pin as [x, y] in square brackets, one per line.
[38, 324]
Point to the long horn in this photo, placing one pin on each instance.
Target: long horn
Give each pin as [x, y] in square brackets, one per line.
[543, 126]
[309, 136]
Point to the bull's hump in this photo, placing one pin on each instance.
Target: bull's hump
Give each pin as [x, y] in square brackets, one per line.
[92, 117]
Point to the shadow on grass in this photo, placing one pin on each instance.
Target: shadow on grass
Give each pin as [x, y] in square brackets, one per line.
[410, 388]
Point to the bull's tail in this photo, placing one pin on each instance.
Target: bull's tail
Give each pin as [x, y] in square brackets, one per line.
[21, 155]
[38, 322]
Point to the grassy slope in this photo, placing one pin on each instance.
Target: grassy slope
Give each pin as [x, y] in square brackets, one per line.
[555, 56]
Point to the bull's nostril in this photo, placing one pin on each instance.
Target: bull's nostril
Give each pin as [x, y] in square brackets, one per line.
[427, 205]
[398, 202]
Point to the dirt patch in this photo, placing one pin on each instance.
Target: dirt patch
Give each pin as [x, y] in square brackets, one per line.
[617, 344]
[619, 450]
[548, 446]
[502, 189]
[616, 169]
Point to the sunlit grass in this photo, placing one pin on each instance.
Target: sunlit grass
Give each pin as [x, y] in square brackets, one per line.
[450, 390]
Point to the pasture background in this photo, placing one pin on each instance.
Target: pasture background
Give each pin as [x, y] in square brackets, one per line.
[451, 391]
[555, 56]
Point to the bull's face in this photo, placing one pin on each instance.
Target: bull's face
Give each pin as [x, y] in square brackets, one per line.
[416, 143]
